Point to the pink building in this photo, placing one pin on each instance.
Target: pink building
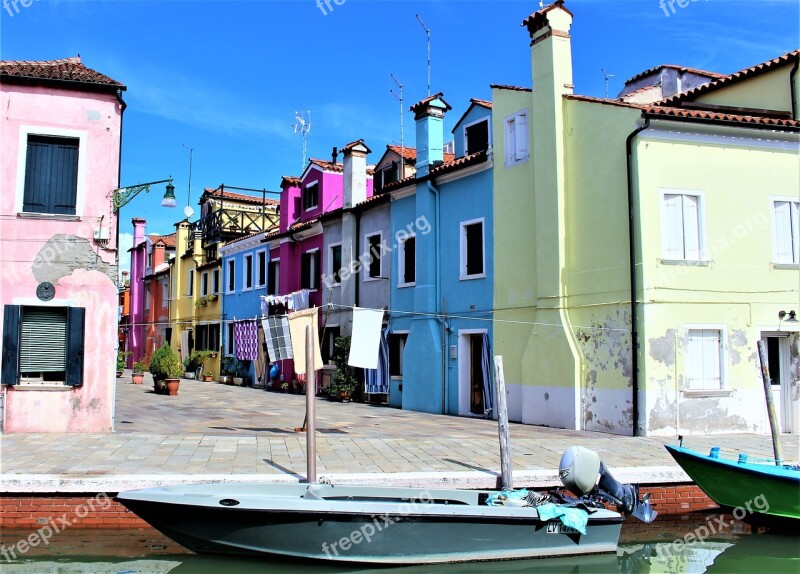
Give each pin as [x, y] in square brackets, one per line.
[59, 166]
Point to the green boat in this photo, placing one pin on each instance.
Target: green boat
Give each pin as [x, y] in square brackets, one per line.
[752, 490]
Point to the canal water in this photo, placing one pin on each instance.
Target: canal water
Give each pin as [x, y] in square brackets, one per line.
[727, 546]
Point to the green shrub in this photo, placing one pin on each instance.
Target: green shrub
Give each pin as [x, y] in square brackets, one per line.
[344, 380]
[195, 360]
[141, 366]
[122, 359]
[165, 363]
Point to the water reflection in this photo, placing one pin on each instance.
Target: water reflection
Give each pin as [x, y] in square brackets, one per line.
[732, 548]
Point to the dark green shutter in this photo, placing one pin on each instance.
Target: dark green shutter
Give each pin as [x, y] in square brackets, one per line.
[51, 175]
[10, 373]
[76, 317]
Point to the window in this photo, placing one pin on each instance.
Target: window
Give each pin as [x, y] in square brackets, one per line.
[231, 275]
[190, 291]
[328, 342]
[335, 270]
[51, 175]
[374, 242]
[704, 359]
[516, 138]
[273, 278]
[215, 281]
[786, 229]
[397, 344]
[204, 284]
[681, 227]
[43, 345]
[472, 263]
[311, 196]
[296, 212]
[150, 259]
[164, 294]
[147, 296]
[407, 261]
[261, 269]
[207, 337]
[476, 137]
[229, 348]
[248, 272]
[388, 175]
[309, 270]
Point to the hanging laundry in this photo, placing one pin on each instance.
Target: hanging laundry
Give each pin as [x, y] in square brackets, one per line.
[366, 339]
[185, 352]
[297, 327]
[279, 342]
[245, 337]
[377, 380]
[296, 301]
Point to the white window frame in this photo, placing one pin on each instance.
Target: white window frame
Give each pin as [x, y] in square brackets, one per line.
[314, 277]
[190, 289]
[794, 222]
[701, 225]
[488, 120]
[231, 276]
[22, 157]
[303, 196]
[510, 125]
[331, 271]
[278, 278]
[244, 272]
[204, 283]
[723, 359]
[401, 260]
[367, 278]
[215, 282]
[164, 293]
[258, 268]
[463, 249]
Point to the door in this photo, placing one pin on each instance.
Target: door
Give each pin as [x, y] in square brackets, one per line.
[777, 345]
[476, 405]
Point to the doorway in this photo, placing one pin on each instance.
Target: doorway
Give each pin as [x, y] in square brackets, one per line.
[777, 344]
[471, 372]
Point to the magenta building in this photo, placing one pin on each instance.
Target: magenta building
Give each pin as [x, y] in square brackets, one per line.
[59, 167]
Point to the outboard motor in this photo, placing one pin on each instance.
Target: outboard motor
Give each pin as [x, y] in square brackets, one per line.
[583, 473]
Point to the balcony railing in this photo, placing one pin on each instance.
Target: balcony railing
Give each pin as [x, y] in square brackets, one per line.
[226, 224]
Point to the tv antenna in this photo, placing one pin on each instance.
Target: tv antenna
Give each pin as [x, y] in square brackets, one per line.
[428, 33]
[606, 76]
[402, 144]
[302, 126]
[188, 211]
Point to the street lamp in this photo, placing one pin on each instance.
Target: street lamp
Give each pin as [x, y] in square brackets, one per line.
[124, 195]
[791, 314]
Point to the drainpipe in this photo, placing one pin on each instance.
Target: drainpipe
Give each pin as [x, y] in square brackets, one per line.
[439, 302]
[122, 106]
[792, 89]
[632, 261]
[357, 215]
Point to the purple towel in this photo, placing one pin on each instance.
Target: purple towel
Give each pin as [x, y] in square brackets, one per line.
[245, 336]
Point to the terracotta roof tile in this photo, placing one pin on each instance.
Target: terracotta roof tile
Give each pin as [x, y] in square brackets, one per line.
[654, 69]
[325, 164]
[409, 153]
[209, 193]
[167, 240]
[355, 144]
[513, 88]
[423, 103]
[735, 77]
[446, 167]
[482, 103]
[64, 70]
[538, 19]
[290, 180]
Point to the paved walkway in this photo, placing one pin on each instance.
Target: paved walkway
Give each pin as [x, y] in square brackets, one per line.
[220, 432]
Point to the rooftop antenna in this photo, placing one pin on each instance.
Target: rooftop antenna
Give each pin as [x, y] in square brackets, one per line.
[188, 211]
[606, 76]
[302, 126]
[428, 33]
[402, 173]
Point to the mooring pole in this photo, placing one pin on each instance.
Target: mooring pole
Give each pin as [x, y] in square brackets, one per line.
[502, 424]
[773, 419]
[311, 392]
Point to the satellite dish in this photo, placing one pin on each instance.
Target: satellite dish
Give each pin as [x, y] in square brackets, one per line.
[188, 211]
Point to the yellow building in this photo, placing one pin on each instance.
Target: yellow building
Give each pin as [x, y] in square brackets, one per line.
[699, 194]
[196, 275]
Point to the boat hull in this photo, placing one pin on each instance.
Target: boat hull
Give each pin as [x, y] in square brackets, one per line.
[757, 489]
[356, 528]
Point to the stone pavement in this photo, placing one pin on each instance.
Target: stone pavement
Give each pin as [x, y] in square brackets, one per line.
[213, 432]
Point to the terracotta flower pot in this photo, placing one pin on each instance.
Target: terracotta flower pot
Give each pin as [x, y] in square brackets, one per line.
[172, 387]
[138, 378]
[207, 379]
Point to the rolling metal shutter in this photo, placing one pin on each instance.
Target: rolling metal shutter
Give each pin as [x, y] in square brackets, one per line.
[43, 340]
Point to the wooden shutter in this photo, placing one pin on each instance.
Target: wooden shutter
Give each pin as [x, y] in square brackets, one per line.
[672, 227]
[704, 359]
[51, 175]
[521, 136]
[10, 369]
[76, 319]
[785, 251]
[691, 227]
[795, 219]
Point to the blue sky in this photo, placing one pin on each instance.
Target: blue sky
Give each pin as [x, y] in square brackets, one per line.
[226, 78]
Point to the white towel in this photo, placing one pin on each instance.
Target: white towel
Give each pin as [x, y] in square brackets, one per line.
[366, 340]
[297, 329]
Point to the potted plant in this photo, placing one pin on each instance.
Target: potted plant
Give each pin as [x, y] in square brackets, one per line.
[139, 367]
[285, 387]
[240, 372]
[193, 362]
[344, 381]
[172, 366]
[158, 367]
[207, 376]
[122, 361]
[226, 369]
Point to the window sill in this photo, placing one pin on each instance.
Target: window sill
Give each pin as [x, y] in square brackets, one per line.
[402, 285]
[793, 266]
[700, 393]
[373, 279]
[470, 277]
[687, 262]
[516, 162]
[41, 387]
[55, 216]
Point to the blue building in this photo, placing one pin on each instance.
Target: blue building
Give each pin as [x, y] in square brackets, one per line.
[442, 267]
